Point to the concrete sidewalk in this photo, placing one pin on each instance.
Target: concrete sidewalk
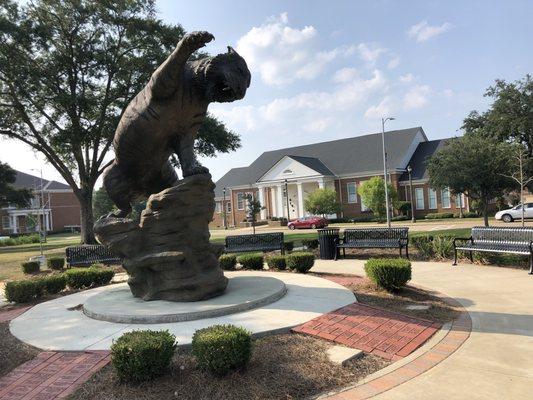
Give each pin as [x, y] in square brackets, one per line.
[496, 362]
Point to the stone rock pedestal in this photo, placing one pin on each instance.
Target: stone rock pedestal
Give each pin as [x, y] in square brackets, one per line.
[168, 255]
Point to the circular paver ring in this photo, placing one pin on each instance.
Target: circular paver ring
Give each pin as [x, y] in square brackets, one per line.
[60, 324]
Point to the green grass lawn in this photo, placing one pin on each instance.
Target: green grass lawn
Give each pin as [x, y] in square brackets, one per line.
[12, 256]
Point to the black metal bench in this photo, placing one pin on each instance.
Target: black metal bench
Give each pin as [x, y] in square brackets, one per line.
[497, 240]
[90, 254]
[259, 242]
[367, 238]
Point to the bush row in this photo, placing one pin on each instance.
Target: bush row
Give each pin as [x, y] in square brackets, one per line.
[26, 239]
[140, 356]
[22, 291]
[299, 261]
[442, 215]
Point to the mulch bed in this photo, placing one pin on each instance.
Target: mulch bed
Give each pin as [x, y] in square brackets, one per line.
[12, 351]
[286, 366]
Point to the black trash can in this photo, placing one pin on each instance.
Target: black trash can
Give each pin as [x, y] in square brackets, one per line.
[327, 238]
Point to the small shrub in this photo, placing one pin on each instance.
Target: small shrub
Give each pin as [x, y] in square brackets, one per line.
[81, 278]
[56, 263]
[251, 261]
[222, 348]
[466, 214]
[277, 262]
[288, 246]
[54, 283]
[228, 261]
[400, 218]
[23, 291]
[310, 244]
[433, 247]
[424, 246]
[142, 355]
[438, 215]
[301, 262]
[390, 274]
[30, 267]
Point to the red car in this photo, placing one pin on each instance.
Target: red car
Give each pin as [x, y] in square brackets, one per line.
[308, 222]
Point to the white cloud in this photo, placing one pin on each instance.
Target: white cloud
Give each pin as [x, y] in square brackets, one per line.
[422, 31]
[370, 52]
[393, 63]
[385, 107]
[406, 78]
[282, 54]
[345, 75]
[416, 97]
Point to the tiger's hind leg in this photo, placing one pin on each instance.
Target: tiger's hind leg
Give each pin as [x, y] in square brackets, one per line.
[120, 189]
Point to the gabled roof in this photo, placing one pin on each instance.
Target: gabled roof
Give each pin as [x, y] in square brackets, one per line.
[353, 155]
[420, 156]
[313, 163]
[27, 181]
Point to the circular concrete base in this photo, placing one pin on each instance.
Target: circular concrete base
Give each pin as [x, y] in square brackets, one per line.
[60, 324]
[117, 304]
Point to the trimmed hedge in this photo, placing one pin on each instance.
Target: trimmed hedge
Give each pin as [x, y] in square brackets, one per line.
[24, 290]
[251, 261]
[288, 246]
[390, 274]
[221, 349]
[25, 239]
[80, 278]
[228, 261]
[301, 262]
[55, 283]
[277, 262]
[310, 243]
[56, 263]
[30, 267]
[142, 355]
[438, 215]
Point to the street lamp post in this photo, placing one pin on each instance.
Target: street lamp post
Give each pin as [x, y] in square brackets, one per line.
[409, 170]
[287, 199]
[224, 208]
[383, 120]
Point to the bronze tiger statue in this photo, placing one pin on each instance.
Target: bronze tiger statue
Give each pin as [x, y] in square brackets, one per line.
[164, 118]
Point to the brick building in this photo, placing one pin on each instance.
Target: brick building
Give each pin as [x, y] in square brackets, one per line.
[341, 165]
[54, 205]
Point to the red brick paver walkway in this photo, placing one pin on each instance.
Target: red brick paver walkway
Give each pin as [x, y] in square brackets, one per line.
[381, 332]
[13, 313]
[51, 375]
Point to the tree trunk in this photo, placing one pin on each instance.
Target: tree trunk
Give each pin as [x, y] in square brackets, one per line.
[87, 219]
[485, 213]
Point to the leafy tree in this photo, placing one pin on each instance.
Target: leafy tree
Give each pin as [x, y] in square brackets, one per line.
[253, 207]
[509, 118]
[474, 166]
[322, 202]
[102, 204]
[9, 194]
[372, 192]
[68, 69]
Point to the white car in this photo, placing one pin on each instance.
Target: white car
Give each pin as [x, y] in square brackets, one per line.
[515, 213]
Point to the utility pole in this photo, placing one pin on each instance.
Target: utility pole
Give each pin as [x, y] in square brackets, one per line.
[385, 180]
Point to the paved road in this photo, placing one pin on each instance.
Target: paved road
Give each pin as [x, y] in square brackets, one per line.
[420, 226]
[496, 362]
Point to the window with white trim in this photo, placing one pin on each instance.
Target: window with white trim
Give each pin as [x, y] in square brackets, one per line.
[218, 207]
[432, 199]
[240, 201]
[445, 193]
[228, 206]
[363, 206]
[351, 190]
[6, 222]
[419, 197]
[459, 200]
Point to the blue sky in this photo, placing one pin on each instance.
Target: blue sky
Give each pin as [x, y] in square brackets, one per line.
[323, 70]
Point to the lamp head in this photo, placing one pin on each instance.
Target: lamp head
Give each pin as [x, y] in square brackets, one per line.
[409, 169]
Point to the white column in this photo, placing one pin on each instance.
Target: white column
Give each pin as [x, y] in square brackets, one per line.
[321, 184]
[279, 206]
[300, 199]
[14, 223]
[263, 203]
